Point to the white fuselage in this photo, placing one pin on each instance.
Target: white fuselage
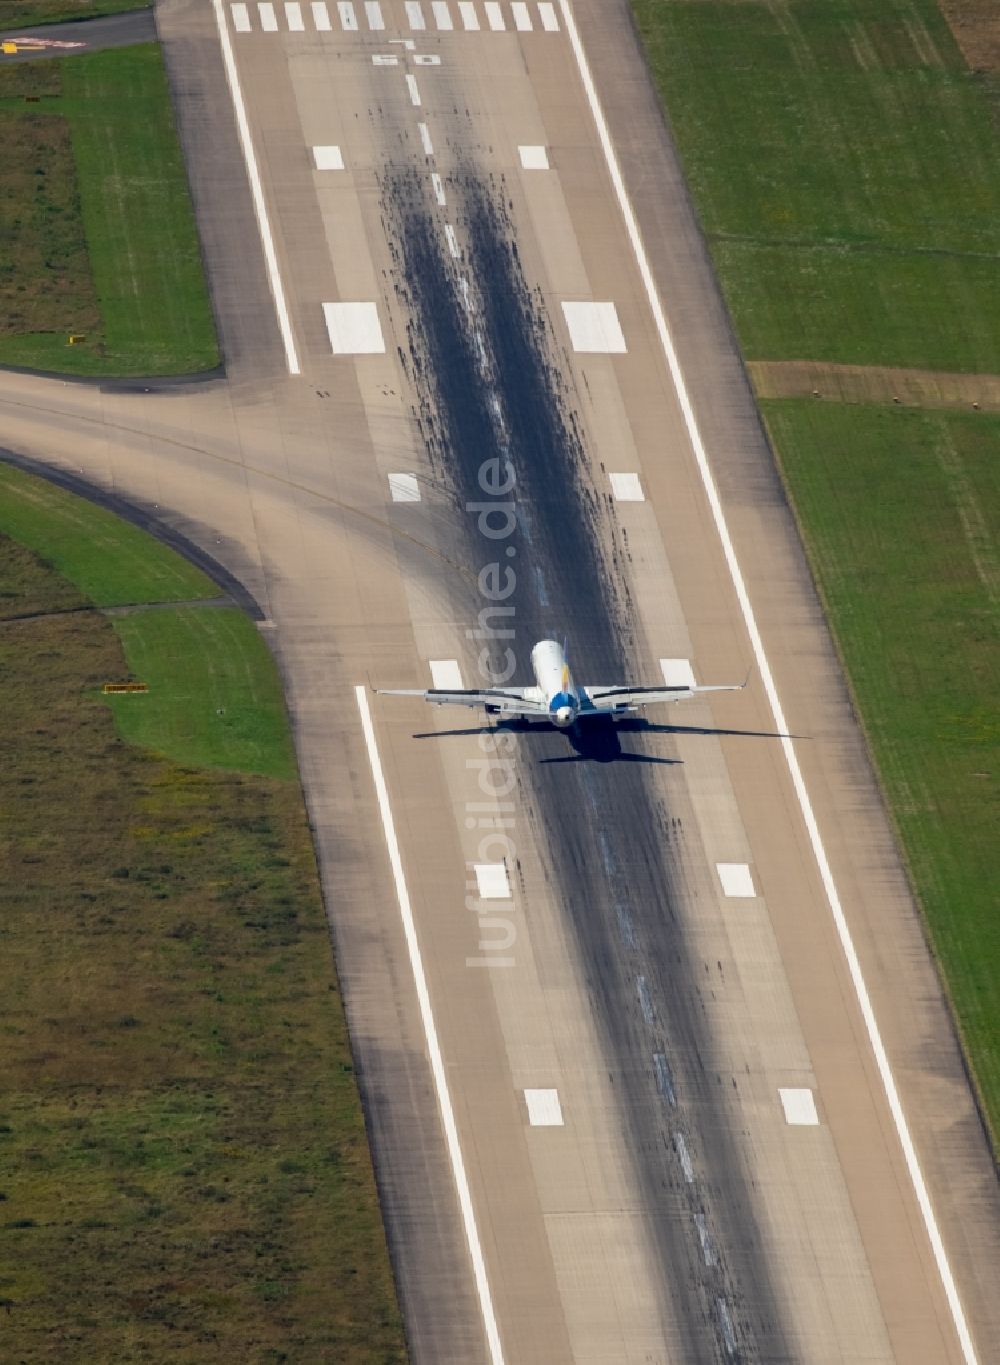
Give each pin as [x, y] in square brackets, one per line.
[555, 682]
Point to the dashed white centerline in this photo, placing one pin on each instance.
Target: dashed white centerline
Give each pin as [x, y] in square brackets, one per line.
[414, 89]
[684, 1156]
[777, 712]
[425, 139]
[256, 191]
[453, 246]
[430, 1034]
[438, 184]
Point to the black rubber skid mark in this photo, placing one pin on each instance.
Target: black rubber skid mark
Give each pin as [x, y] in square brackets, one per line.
[482, 358]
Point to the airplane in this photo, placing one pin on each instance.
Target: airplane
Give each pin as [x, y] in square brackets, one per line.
[556, 698]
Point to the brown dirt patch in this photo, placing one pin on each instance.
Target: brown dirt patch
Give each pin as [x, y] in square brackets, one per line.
[45, 280]
[976, 26]
[875, 384]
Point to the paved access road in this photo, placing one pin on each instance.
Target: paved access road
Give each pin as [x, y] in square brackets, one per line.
[82, 35]
[619, 1003]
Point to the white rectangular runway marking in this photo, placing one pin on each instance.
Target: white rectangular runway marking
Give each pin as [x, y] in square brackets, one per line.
[544, 1109]
[415, 15]
[430, 1034]
[547, 14]
[446, 675]
[414, 89]
[373, 13]
[425, 139]
[442, 15]
[533, 158]
[404, 488]
[736, 879]
[453, 246]
[492, 881]
[494, 16]
[293, 17]
[681, 1148]
[268, 21]
[777, 711]
[241, 18]
[328, 158]
[256, 189]
[354, 328]
[384, 59]
[321, 16]
[522, 19]
[470, 19]
[799, 1107]
[594, 327]
[348, 18]
[626, 488]
[677, 672]
[438, 184]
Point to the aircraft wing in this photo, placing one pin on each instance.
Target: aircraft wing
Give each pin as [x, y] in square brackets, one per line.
[632, 698]
[512, 701]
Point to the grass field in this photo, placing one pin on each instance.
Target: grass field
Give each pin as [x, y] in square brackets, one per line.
[184, 1171]
[111, 253]
[843, 160]
[110, 561]
[23, 13]
[902, 510]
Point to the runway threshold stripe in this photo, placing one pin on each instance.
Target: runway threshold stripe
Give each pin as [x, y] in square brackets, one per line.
[241, 18]
[494, 15]
[256, 191]
[430, 1034]
[321, 16]
[373, 13]
[547, 14]
[293, 17]
[348, 18]
[777, 713]
[470, 19]
[522, 19]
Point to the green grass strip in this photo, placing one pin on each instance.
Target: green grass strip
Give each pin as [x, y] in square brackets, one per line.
[26, 13]
[844, 165]
[214, 699]
[901, 511]
[155, 316]
[184, 1171]
[110, 561]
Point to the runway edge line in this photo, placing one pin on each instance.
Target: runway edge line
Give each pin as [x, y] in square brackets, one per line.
[791, 758]
[257, 192]
[430, 1033]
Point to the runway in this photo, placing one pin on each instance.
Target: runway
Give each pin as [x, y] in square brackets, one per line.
[617, 1064]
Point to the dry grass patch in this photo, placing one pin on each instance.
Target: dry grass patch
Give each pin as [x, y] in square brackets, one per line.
[45, 279]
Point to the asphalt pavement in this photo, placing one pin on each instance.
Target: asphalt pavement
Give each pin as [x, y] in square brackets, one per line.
[626, 1108]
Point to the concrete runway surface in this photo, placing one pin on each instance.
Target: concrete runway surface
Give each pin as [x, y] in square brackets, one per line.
[655, 1061]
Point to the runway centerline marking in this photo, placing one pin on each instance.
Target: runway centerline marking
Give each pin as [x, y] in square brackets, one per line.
[414, 89]
[777, 713]
[256, 191]
[425, 139]
[438, 184]
[430, 1034]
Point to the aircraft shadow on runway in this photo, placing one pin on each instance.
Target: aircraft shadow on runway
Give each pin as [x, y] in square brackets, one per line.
[599, 740]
